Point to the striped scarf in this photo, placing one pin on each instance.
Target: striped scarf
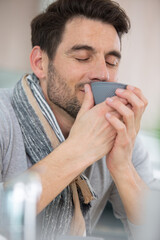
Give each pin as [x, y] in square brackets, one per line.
[41, 133]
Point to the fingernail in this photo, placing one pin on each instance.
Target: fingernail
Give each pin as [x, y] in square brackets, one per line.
[108, 115]
[109, 100]
[85, 88]
[119, 90]
[130, 87]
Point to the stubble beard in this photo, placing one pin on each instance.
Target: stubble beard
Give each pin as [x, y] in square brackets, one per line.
[60, 94]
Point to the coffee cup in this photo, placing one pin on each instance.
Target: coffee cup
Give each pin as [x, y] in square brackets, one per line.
[103, 90]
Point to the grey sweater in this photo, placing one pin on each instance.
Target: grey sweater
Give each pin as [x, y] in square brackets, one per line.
[13, 161]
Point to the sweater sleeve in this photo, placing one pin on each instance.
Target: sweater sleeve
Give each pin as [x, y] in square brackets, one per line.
[13, 158]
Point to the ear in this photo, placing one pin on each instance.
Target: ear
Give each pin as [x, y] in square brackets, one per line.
[38, 62]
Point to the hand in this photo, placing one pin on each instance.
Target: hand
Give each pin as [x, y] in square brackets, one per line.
[127, 130]
[92, 136]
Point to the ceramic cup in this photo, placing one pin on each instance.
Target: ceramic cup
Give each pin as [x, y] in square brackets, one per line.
[103, 90]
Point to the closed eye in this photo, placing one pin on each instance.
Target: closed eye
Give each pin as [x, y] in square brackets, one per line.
[114, 63]
[82, 59]
[111, 64]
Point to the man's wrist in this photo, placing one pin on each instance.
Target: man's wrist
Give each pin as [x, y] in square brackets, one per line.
[121, 171]
[73, 157]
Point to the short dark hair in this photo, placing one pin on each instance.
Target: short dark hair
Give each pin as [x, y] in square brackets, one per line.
[48, 27]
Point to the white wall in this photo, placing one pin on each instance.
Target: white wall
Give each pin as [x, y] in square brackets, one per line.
[44, 3]
[140, 54]
[15, 46]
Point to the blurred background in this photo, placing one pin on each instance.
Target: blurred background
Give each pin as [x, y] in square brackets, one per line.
[140, 48]
[140, 65]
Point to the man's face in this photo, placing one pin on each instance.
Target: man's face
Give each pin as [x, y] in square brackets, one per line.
[89, 51]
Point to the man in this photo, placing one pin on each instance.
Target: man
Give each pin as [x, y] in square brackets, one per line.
[85, 155]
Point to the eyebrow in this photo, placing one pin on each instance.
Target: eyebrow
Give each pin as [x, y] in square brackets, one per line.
[114, 53]
[81, 47]
[91, 49]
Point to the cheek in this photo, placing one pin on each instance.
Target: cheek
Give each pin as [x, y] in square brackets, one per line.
[70, 69]
[80, 96]
[74, 74]
[113, 75]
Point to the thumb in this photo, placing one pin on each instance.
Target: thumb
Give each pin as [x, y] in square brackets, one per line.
[88, 101]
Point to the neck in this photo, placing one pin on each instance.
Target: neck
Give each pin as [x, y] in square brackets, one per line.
[64, 120]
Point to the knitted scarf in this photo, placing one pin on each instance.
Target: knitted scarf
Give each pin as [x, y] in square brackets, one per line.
[41, 133]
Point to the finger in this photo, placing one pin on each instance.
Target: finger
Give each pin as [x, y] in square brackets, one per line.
[116, 114]
[88, 101]
[138, 105]
[124, 101]
[139, 94]
[118, 126]
[134, 97]
[126, 113]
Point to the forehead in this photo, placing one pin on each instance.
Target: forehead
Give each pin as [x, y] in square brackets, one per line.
[100, 35]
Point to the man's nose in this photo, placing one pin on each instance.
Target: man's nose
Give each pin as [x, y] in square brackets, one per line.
[100, 72]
